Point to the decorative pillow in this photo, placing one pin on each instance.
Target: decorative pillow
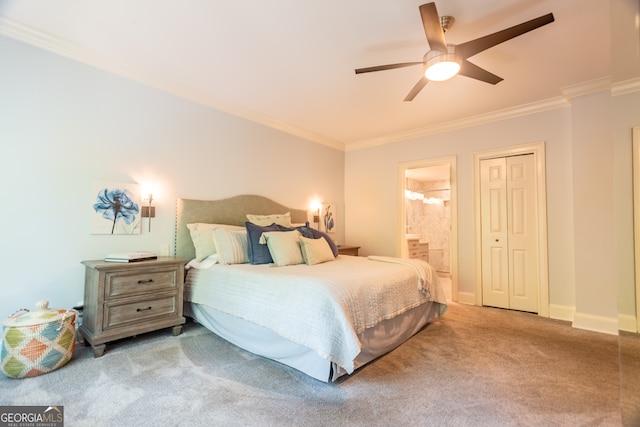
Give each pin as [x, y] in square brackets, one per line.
[315, 251]
[231, 246]
[317, 234]
[258, 254]
[264, 220]
[284, 247]
[312, 233]
[202, 237]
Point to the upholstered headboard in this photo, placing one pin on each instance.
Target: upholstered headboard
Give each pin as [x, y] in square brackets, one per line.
[231, 211]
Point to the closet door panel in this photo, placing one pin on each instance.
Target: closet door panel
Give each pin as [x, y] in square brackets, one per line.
[509, 233]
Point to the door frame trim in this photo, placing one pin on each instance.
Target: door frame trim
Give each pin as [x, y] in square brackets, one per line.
[453, 211]
[538, 150]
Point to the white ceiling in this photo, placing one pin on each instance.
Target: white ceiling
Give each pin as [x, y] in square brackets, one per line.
[290, 63]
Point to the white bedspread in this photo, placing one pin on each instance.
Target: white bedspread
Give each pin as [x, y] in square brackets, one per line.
[323, 306]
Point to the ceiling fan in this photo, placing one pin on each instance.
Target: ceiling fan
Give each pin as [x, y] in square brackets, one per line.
[444, 60]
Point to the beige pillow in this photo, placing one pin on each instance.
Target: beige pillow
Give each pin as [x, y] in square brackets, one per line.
[202, 237]
[284, 246]
[264, 220]
[231, 246]
[315, 251]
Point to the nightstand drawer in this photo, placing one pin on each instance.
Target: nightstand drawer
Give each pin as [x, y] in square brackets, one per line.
[413, 244]
[116, 315]
[139, 282]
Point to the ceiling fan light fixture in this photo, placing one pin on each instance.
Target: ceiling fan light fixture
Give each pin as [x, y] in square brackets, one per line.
[442, 71]
[441, 66]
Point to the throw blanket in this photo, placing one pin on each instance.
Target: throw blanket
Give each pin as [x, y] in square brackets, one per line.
[426, 278]
[423, 270]
[323, 307]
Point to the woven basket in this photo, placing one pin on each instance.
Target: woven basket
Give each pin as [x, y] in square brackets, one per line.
[37, 342]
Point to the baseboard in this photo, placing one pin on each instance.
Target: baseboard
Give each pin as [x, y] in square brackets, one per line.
[592, 322]
[468, 298]
[627, 323]
[589, 322]
[561, 312]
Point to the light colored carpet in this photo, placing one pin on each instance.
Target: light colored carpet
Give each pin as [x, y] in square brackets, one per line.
[630, 378]
[475, 367]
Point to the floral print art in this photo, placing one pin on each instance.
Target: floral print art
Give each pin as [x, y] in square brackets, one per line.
[116, 209]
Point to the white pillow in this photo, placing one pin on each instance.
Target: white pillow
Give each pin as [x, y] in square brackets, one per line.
[315, 251]
[264, 220]
[208, 262]
[231, 245]
[284, 246]
[202, 237]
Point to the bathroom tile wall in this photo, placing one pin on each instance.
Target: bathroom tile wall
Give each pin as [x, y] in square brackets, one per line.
[431, 221]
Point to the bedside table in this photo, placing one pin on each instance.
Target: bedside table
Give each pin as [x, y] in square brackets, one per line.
[126, 299]
[348, 250]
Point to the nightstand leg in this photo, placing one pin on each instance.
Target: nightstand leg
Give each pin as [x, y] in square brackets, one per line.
[176, 330]
[98, 350]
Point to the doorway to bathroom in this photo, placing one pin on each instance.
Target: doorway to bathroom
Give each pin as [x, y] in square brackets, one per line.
[429, 216]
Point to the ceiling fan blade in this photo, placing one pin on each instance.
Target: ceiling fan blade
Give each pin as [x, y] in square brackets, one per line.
[386, 67]
[473, 47]
[432, 27]
[417, 88]
[471, 70]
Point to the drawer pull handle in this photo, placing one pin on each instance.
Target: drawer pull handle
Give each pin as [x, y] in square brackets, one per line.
[143, 309]
[140, 282]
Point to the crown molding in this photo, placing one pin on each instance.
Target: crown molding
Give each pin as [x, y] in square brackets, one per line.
[626, 86]
[29, 35]
[494, 116]
[568, 92]
[586, 88]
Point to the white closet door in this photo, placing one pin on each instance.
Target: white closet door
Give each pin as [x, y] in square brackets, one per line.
[495, 256]
[509, 233]
[523, 233]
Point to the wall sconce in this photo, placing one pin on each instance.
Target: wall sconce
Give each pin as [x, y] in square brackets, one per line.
[149, 211]
[315, 207]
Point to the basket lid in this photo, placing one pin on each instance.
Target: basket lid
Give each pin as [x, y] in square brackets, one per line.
[42, 314]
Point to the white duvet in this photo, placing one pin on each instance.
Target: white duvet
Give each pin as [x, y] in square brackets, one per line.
[322, 307]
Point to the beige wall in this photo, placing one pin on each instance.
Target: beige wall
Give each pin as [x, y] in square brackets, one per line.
[625, 116]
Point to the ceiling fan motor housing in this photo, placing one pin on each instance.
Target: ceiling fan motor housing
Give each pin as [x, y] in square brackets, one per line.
[441, 66]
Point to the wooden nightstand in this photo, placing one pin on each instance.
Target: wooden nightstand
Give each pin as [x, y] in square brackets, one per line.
[126, 299]
[348, 250]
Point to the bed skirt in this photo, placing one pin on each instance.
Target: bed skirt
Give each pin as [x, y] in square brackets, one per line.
[375, 341]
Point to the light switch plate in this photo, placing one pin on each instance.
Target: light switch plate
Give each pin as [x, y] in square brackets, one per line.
[165, 249]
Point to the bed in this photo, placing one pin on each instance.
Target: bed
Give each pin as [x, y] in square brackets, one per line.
[312, 309]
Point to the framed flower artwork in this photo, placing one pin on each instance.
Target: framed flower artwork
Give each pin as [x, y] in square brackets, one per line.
[115, 208]
[328, 218]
